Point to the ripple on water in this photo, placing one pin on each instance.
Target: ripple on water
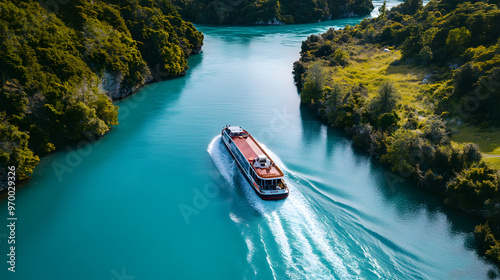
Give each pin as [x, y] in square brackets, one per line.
[303, 243]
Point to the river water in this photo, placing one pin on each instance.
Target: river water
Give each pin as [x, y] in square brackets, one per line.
[159, 197]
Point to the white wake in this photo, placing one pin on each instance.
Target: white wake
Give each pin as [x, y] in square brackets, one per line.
[304, 244]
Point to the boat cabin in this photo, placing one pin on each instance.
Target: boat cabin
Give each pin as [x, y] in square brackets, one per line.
[235, 130]
[261, 162]
[268, 184]
[249, 153]
[252, 159]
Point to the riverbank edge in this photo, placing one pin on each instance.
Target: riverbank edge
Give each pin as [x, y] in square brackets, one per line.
[218, 13]
[481, 231]
[129, 92]
[414, 140]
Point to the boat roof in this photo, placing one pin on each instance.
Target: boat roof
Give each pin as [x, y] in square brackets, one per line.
[235, 129]
[251, 150]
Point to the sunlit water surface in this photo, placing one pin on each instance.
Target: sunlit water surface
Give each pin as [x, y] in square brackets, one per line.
[160, 198]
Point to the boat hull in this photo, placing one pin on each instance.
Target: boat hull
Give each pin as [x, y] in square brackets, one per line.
[278, 196]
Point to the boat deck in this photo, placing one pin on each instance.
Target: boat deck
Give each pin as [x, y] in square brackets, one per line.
[250, 149]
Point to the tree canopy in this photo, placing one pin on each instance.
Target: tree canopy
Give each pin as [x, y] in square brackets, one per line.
[269, 11]
[457, 43]
[61, 64]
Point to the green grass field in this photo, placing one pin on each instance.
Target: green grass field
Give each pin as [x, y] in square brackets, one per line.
[488, 141]
[371, 67]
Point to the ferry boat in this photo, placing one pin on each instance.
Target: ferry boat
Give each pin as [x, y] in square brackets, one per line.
[259, 169]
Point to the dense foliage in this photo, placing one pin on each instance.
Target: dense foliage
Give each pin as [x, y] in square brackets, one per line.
[458, 42]
[60, 65]
[269, 11]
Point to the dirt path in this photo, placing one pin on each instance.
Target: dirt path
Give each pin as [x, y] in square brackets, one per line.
[491, 156]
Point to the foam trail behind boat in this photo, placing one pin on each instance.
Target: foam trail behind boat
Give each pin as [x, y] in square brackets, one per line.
[303, 242]
[221, 161]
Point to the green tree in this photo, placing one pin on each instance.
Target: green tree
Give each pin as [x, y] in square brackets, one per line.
[465, 79]
[435, 131]
[314, 84]
[54, 63]
[487, 242]
[472, 154]
[386, 99]
[14, 150]
[474, 188]
[340, 57]
[382, 11]
[458, 40]
[387, 121]
[412, 6]
[299, 68]
[334, 96]
[105, 110]
[429, 35]
[13, 102]
[404, 151]
[425, 55]
[81, 121]
[250, 12]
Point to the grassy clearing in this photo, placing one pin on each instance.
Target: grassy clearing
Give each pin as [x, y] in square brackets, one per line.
[492, 161]
[488, 141]
[372, 67]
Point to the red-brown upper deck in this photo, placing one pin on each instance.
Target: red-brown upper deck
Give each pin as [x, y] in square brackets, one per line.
[251, 149]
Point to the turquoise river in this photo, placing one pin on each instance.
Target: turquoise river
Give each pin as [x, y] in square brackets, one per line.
[159, 197]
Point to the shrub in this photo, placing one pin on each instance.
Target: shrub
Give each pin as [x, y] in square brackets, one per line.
[458, 40]
[388, 121]
[425, 55]
[473, 187]
[340, 57]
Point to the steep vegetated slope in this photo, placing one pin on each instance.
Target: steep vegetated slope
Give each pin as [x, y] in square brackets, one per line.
[62, 64]
[397, 83]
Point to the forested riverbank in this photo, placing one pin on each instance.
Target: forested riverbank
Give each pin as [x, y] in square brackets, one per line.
[270, 12]
[341, 220]
[399, 83]
[63, 62]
